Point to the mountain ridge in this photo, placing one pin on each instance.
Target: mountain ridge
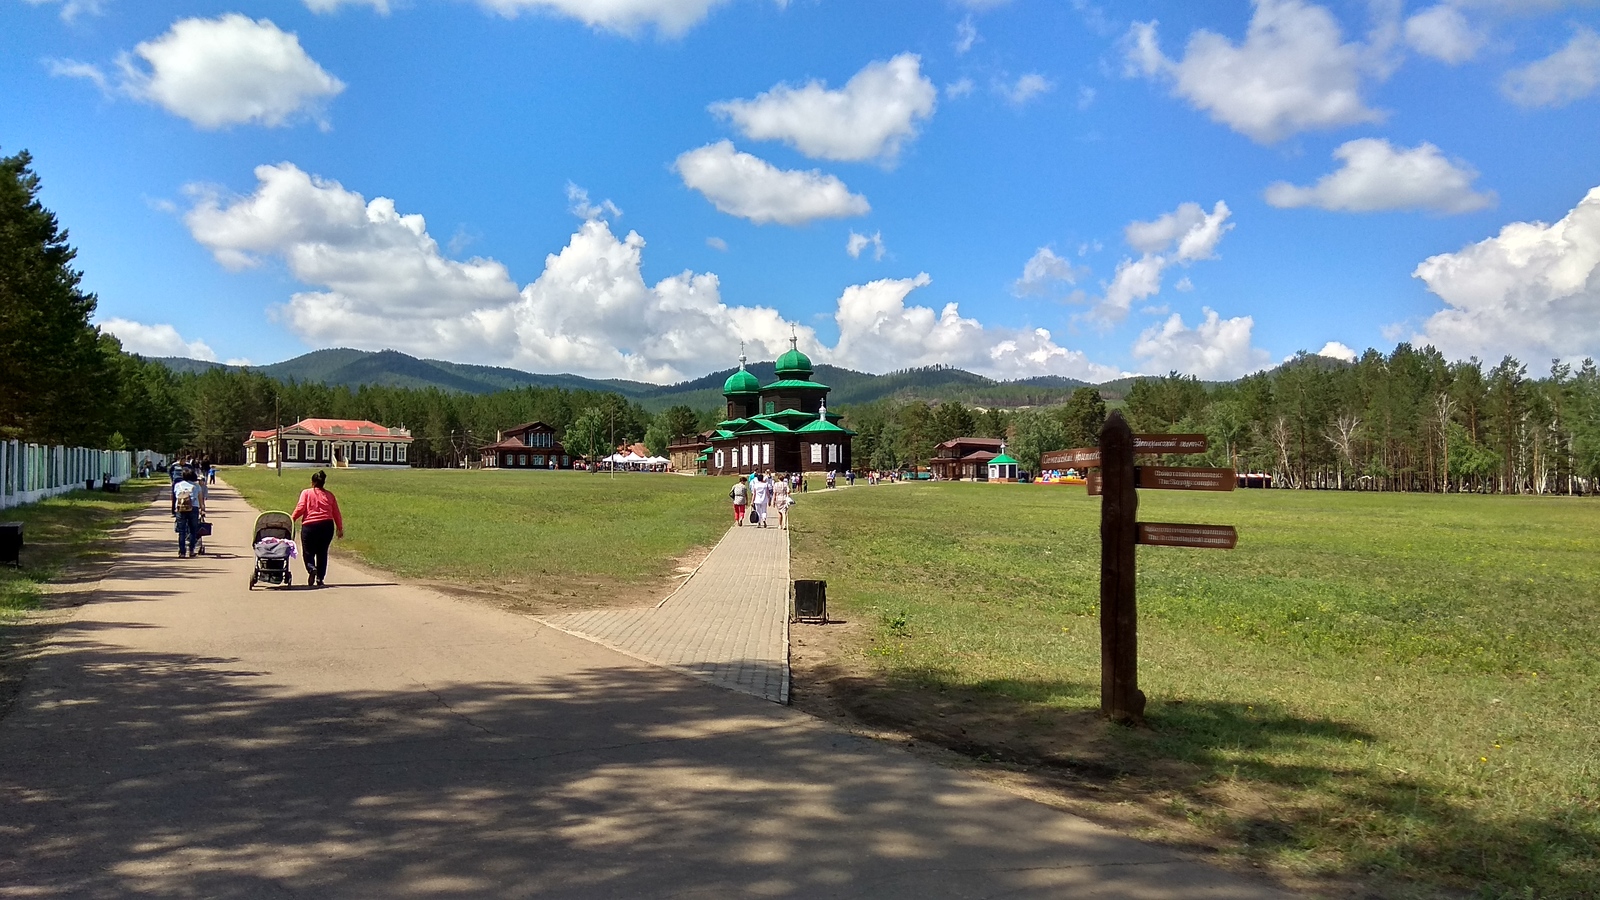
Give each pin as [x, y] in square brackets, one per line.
[344, 367]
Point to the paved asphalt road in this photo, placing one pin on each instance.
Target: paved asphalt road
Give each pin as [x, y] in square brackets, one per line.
[186, 738]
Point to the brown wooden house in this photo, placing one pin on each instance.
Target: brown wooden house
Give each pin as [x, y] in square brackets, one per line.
[318, 443]
[531, 446]
[965, 458]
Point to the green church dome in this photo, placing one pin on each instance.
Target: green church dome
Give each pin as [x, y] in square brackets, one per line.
[741, 382]
[793, 363]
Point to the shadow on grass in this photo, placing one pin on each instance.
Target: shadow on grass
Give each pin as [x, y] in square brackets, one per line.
[1245, 780]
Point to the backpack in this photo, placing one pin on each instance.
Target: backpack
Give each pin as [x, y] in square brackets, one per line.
[184, 493]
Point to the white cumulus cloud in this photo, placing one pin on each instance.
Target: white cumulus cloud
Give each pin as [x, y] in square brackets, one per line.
[671, 18]
[1185, 235]
[859, 242]
[1024, 88]
[752, 188]
[376, 279]
[226, 71]
[1569, 74]
[1336, 350]
[578, 204]
[879, 332]
[1293, 72]
[1043, 271]
[1443, 33]
[156, 340]
[876, 111]
[1532, 291]
[1215, 349]
[71, 9]
[1376, 176]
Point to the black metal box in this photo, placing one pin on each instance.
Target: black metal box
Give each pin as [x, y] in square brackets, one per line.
[811, 600]
[10, 543]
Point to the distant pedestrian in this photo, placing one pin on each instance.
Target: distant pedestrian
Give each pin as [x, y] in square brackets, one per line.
[318, 514]
[737, 495]
[760, 492]
[188, 504]
[832, 474]
[780, 501]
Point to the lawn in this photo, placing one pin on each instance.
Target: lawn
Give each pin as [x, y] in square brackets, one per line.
[535, 538]
[1393, 690]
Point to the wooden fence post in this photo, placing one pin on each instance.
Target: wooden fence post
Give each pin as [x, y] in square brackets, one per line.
[1120, 697]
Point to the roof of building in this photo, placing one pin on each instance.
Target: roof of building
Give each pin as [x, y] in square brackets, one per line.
[790, 383]
[978, 456]
[741, 382]
[822, 425]
[337, 428]
[1003, 460]
[793, 363]
[972, 442]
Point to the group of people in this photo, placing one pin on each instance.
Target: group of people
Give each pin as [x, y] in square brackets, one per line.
[317, 511]
[761, 494]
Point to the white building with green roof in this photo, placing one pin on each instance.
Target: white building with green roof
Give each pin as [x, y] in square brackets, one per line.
[782, 427]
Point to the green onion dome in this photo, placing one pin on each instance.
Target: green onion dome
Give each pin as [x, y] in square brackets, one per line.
[740, 382]
[794, 364]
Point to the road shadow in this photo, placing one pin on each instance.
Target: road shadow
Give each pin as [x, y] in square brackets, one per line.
[135, 773]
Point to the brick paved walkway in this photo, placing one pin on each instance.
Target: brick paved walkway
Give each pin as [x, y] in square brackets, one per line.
[728, 624]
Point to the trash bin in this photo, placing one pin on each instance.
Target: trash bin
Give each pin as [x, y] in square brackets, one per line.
[11, 543]
[811, 600]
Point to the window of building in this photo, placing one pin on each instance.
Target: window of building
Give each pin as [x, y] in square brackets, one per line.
[326, 451]
[538, 459]
[771, 407]
[766, 454]
[293, 448]
[719, 459]
[816, 453]
[361, 453]
[522, 459]
[388, 453]
[400, 453]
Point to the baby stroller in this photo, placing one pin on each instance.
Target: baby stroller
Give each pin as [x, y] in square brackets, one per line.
[273, 542]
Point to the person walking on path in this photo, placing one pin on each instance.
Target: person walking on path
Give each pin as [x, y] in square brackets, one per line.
[760, 492]
[780, 501]
[188, 503]
[737, 494]
[318, 514]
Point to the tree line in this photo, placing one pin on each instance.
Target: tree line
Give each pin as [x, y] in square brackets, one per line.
[1406, 421]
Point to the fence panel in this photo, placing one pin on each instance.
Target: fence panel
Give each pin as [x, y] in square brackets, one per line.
[31, 472]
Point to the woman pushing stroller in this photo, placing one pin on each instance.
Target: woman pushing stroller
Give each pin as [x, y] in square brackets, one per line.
[318, 514]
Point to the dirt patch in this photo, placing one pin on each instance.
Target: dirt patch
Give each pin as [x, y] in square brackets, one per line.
[1066, 759]
[553, 598]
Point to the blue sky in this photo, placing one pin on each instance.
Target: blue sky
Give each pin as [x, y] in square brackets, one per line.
[632, 188]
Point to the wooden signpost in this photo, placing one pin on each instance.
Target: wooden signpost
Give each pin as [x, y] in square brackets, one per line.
[1117, 483]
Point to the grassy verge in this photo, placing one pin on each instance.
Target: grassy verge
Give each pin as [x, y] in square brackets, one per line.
[1389, 689]
[63, 534]
[536, 539]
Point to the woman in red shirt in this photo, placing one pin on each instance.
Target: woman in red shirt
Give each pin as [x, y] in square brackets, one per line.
[318, 513]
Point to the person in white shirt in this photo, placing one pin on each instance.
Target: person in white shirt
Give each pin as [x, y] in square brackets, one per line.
[780, 501]
[760, 491]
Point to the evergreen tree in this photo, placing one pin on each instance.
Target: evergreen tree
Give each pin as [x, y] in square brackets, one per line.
[58, 385]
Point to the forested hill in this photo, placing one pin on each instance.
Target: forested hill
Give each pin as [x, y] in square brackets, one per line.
[389, 368]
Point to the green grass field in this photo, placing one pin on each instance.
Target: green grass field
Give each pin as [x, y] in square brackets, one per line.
[574, 538]
[1396, 689]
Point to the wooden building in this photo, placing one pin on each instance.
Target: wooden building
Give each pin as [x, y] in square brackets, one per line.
[783, 427]
[966, 458]
[338, 443]
[531, 446]
[689, 453]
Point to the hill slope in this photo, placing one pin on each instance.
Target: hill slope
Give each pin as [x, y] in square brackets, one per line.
[390, 368]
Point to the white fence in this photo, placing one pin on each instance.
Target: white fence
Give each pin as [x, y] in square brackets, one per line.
[32, 472]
